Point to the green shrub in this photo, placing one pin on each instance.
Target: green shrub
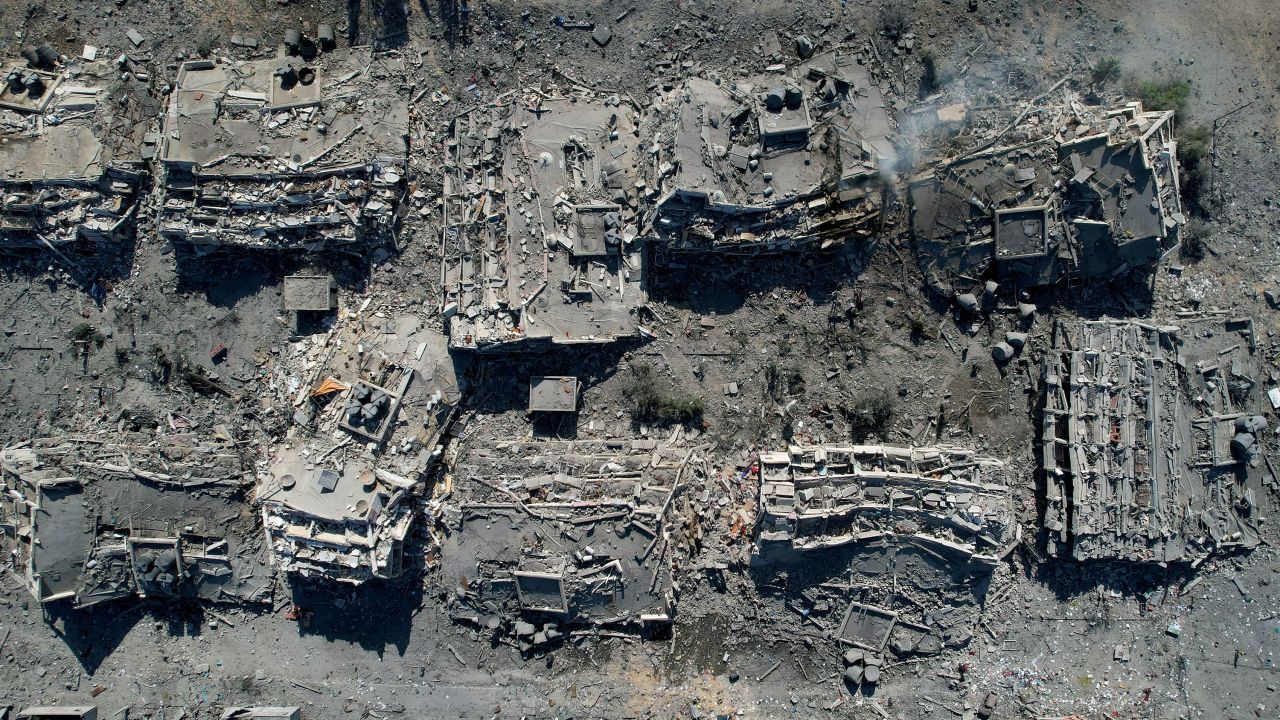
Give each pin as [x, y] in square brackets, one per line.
[871, 414]
[929, 79]
[1105, 71]
[1193, 154]
[1165, 95]
[1194, 243]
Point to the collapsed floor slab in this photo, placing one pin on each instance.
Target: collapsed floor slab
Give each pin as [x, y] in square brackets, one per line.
[564, 534]
[1094, 196]
[91, 521]
[370, 415]
[913, 535]
[73, 161]
[283, 154]
[1148, 440]
[540, 228]
[769, 163]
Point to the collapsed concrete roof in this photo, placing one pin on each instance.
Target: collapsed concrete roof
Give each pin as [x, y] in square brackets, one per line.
[771, 163]
[539, 238]
[565, 534]
[1096, 196]
[282, 153]
[101, 520]
[337, 496]
[71, 149]
[1147, 431]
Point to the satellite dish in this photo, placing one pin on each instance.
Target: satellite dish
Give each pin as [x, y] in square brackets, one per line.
[287, 482]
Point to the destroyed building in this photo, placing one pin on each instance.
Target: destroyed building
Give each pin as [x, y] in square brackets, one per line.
[540, 222]
[542, 538]
[781, 161]
[1150, 440]
[1094, 196]
[371, 402]
[90, 520]
[283, 154]
[74, 141]
[911, 536]
[812, 498]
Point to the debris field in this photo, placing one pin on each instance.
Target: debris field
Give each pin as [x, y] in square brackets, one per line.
[690, 358]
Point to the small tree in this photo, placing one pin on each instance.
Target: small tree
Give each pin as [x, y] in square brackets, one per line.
[1104, 72]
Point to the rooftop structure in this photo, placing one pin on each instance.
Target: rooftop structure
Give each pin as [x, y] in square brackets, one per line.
[72, 154]
[1098, 198]
[310, 293]
[282, 154]
[553, 394]
[540, 225]
[1148, 436]
[772, 163]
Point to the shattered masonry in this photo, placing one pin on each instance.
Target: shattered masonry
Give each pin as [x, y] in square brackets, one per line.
[282, 154]
[98, 519]
[771, 163]
[908, 537]
[1148, 436]
[947, 499]
[72, 161]
[540, 224]
[1093, 197]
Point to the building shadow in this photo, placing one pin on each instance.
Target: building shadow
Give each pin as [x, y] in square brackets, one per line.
[724, 284]
[226, 277]
[376, 615]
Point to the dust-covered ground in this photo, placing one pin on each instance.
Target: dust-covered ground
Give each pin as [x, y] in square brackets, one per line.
[830, 331]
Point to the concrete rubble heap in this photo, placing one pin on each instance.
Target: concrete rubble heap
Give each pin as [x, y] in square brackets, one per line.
[1093, 195]
[540, 222]
[947, 499]
[1149, 438]
[771, 163]
[73, 144]
[373, 399]
[908, 538]
[283, 154]
[542, 538]
[96, 519]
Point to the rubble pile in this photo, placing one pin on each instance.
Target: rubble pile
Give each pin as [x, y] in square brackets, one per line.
[283, 154]
[372, 400]
[107, 517]
[74, 142]
[540, 223]
[544, 538]
[499, 345]
[1091, 196]
[1150, 436]
[948, 499]
[781, 161]
[908, 539]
